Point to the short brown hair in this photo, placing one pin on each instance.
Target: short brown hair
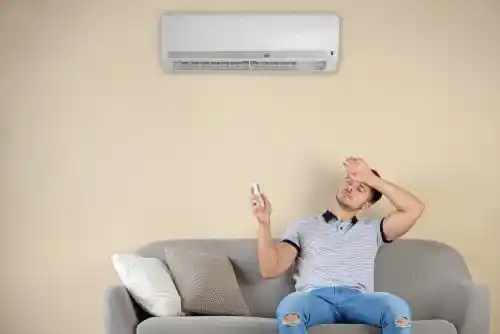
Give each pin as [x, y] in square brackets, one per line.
[376, 195]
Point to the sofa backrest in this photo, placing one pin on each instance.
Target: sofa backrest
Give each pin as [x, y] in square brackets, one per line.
[421, 272]
[412, 269]
[262, 295]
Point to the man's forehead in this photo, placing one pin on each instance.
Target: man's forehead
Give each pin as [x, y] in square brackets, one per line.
[353, 182]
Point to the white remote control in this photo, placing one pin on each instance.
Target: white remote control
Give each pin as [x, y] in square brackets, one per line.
[256, 191]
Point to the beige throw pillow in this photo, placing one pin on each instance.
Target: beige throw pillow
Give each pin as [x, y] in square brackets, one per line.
[206, 282]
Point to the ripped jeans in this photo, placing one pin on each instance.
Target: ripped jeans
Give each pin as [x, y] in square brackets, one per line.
[301, 310]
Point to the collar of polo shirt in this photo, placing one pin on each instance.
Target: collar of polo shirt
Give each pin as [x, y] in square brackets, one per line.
[329, 216]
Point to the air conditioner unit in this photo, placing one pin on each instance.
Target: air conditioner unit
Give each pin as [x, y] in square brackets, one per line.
[250, 42]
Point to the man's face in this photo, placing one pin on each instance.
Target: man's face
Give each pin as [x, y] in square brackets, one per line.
[353, 195]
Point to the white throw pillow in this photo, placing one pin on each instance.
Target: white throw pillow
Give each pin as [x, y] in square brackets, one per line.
[149, 282]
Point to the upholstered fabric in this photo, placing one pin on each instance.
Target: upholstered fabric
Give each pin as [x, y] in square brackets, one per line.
[432, 277]
[149, 282]
[254, 325]
[206, 282]
[261, 295]
[418, 271]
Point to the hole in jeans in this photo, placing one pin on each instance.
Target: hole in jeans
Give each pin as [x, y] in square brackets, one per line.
[291, 319]
[403, 322]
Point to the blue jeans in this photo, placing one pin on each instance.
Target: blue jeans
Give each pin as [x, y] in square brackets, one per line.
[301, 310]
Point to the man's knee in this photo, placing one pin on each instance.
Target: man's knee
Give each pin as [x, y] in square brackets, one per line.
[290, 310]
[397, 312]
[291, 319]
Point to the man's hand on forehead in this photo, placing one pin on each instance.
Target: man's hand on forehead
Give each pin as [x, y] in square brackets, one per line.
[358, 170]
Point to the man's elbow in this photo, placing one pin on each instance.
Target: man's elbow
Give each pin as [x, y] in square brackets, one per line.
[418, 209]
[421, 207]
[267, 273]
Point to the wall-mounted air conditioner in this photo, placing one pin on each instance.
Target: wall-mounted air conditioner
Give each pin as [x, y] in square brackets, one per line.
[263, 42]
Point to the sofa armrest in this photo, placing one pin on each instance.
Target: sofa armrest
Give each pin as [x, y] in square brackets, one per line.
[467, 307]
[119, 312]
[477, 312]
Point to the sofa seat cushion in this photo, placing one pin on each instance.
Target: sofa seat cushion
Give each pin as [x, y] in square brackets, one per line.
[207, 325]
[254, 325]
[419, 327]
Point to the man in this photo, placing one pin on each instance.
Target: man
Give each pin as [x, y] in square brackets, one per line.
[334, 255]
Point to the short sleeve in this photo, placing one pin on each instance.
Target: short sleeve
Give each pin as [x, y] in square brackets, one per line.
[382, 237]
[292, 235]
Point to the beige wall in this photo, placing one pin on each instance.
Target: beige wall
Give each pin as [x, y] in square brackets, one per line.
[104, 152]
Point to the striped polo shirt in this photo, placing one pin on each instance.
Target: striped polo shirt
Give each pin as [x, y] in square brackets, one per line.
[334, 252]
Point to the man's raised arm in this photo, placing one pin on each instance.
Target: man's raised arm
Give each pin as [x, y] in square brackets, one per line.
[273, 259]
[408, 207]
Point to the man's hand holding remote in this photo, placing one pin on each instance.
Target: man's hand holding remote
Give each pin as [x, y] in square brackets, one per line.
[261, 211]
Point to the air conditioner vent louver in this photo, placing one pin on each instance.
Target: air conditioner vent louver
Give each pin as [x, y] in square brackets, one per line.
[186, 65]
[183, 65]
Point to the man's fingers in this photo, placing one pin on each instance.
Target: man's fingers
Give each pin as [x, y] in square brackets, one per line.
[256, 198]
[354, 160]
[256, 203]
[256, 206]
[350, 160]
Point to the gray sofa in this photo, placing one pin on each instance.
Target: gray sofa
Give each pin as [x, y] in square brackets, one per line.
[432, 277]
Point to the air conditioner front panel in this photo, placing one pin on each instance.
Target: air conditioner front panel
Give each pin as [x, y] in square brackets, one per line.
[249, 54]
[237, 38]
[202, 31]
